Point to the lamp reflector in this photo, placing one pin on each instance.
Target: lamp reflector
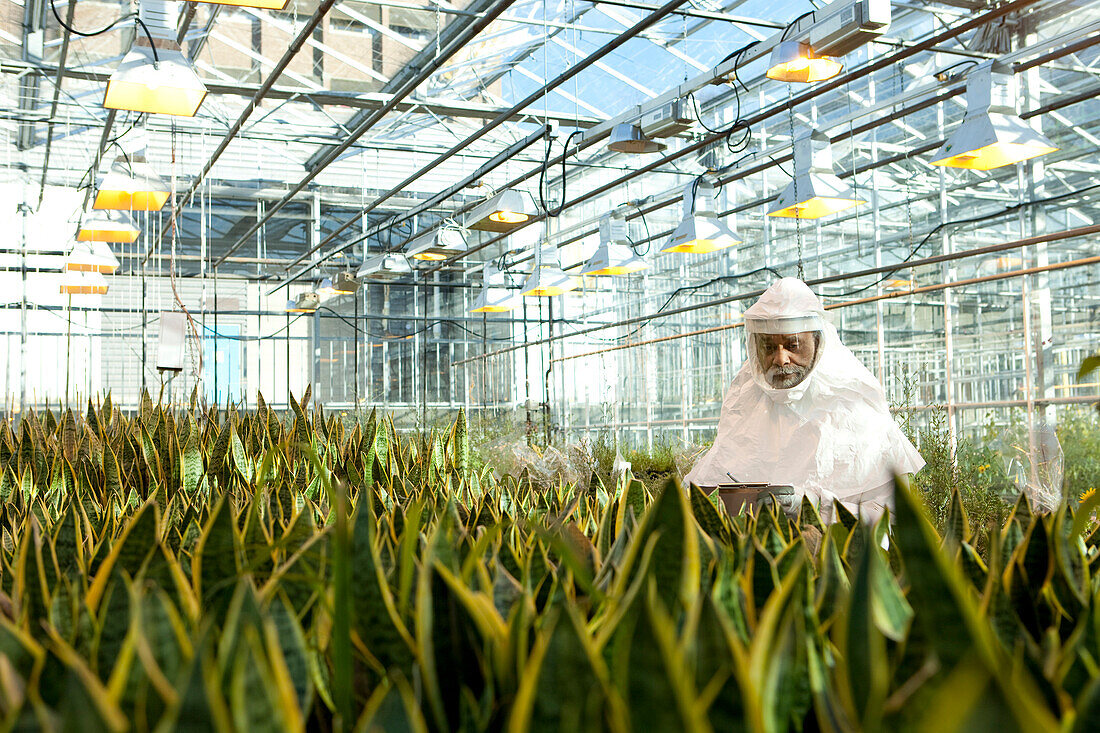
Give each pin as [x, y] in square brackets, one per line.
[700, 231]
[548, 279]
[91, 257]
[103, 228]
[614, 256]
[306, 302]
[384, 267]
[628, 138]
[991, 134]
[438, 244]
[815, 191]
[131, 186]
[170, 86]
[502, 212]
[83, 283]
[796, 62]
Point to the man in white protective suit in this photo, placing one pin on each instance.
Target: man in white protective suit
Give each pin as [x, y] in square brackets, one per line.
[804, 411]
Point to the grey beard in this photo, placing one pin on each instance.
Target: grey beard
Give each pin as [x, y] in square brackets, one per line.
[785, 377]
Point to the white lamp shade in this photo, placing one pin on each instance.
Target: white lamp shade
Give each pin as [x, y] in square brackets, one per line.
[502, 212]
[91, 257]
[700, 234]
[384, 267]
[614, 259]
[132, 186]
[812, 196]
[628, 138]
[83, 283]
[438, 244]
[103, 228]
[990, 140]
[169, 87]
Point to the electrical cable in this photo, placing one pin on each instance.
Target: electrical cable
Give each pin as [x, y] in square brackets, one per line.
[101, 31]
[959, 222]
[554, 212]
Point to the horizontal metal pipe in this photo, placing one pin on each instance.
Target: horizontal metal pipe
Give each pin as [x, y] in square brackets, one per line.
[859, 301]
[1050, 237]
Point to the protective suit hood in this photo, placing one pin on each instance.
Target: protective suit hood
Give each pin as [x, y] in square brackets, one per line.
[830, 436]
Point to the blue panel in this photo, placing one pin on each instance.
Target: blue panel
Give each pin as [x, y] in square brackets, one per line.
[221, 370]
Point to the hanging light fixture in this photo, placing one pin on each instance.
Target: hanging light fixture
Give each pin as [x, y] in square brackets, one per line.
[91, 257]
[83, 283]
[306, 302]
[384, 267]
[792, 61]
[438, 244]
[547, 278]
[495, 296]
[103, 227]
[131, 185]
[628, 138]
[815, 191]
[502, 212]
[991, 134]
[614, 256]
[154, 75]
[700, 231]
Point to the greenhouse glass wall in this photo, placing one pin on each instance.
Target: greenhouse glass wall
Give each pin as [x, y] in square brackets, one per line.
[969, 291]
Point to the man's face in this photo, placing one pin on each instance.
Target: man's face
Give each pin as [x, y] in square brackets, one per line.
[786, 358]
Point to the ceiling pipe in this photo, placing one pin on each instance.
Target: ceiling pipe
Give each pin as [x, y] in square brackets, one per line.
[597, 133]
[304, 35]
[70, 11]
[1019, 243]
[778, 159]
[405, 90]
[557, 81]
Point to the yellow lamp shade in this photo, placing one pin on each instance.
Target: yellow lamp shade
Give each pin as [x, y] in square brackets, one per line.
[170, 87]
[995, 155]
[91, 257]
[549, 280]
[83, 283]
[796, 62]
[99, 228]
[131, 186]
[815, 208]
[700, 234]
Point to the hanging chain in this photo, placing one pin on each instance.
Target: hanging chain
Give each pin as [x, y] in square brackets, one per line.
[794, 179]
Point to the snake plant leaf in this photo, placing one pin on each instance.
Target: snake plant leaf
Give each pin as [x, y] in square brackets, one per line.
[938, 595]
[560, 688]
[374, 613]
[254, 699]
[863, 646]
[201, 706]
[215, 564]
[706, 514]
[85, 703]
[392, 706]
[192, 459]
[717, 671]
[957, 528]
[286, 641]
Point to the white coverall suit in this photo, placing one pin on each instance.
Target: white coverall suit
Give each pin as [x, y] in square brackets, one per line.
[831, 436]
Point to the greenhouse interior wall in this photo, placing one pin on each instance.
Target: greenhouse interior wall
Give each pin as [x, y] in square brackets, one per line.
[911, 278]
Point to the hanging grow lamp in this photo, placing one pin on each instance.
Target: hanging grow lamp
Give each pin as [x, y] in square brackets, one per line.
[104, 228]
[796, 62]
[815, 191]
[991, 134]
[131, 186]
[83, 283]
[154, 75]
[91, 257]
[438, 244]
[384, 267]
[495, 296]
[306, 302]
[614, 256]
[629, 138]
[700, 231]
[548, 279]
[501, 213]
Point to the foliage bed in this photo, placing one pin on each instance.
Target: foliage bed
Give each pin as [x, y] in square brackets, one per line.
[223, 570]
